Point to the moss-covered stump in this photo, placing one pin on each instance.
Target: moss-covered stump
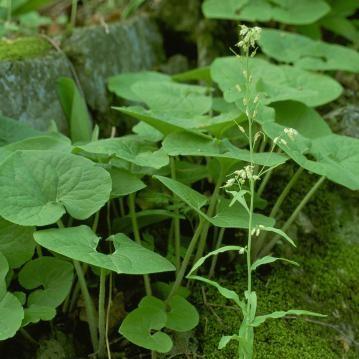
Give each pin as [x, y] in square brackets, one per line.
[102, 51]
[29, 69]
[327, 281]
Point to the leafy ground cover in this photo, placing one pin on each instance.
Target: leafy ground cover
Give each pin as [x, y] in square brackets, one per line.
[220, 209]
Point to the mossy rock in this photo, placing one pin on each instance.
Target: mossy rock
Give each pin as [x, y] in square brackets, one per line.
[99, 52]
[327, 281]
[23, 48]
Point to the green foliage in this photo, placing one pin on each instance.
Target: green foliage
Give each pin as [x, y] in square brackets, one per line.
[50, 183]
[55, 276]
[75, 109]
[11, 312]
[276, 83]
[288, 12]
[12, 131]
[154, 314]
[80, 243]
[307, 54]
[19, 237]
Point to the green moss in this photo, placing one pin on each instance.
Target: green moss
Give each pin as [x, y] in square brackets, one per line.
[327, 281]
[23, 48]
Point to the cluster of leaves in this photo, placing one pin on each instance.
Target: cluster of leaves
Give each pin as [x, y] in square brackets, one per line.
[309, 17]
[187, 134]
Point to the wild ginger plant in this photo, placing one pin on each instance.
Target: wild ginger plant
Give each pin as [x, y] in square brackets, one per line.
[241, 186]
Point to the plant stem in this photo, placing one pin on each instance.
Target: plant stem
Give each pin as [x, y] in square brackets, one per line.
[214, 258]
[89, 306]
[186, 258]
[101, 315]
[108, 312]
[261, 240]
[9, 10]
[293, 216]
[176, 223]
[136, 233]
[264, 182]
[210, 212]
[73, 13]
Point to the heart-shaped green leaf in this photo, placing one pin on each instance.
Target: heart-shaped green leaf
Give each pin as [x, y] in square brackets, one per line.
[80, 243]
[13, 131]
[54, 276]
[139, 326]
[178, 100]
[52, 142]
[286, 11]
[335, 157]
[16, 243]
[124, 182]
[190, 144]
[129, 148]
[122, 84]
[182, 315]
[306, 53]
[38, 186]
[11, 312]
[304, 119]
[277, 83]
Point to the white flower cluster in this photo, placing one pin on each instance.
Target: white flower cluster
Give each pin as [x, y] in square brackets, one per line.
[291, 134]
[257, 230]
[240, 176]
[248, 37]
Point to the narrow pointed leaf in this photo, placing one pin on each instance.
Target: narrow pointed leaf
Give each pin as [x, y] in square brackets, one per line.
[227, 293]
[213, 253]
[270, 259]
[280, 314]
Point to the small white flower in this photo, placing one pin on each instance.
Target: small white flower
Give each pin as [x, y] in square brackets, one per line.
[242, 129]
[291, 133]
[230, 182]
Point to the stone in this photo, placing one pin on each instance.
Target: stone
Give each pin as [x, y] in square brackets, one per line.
[27, 83]
[99, 52]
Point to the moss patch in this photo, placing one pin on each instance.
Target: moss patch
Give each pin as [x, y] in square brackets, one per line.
[23, 48]
[327, 282]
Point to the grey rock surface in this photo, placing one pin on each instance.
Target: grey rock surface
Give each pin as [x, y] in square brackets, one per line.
[99, 52]
[28, 90]
[28, 86]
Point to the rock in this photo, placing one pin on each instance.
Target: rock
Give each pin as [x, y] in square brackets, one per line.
[28, 73]
[99, 52]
